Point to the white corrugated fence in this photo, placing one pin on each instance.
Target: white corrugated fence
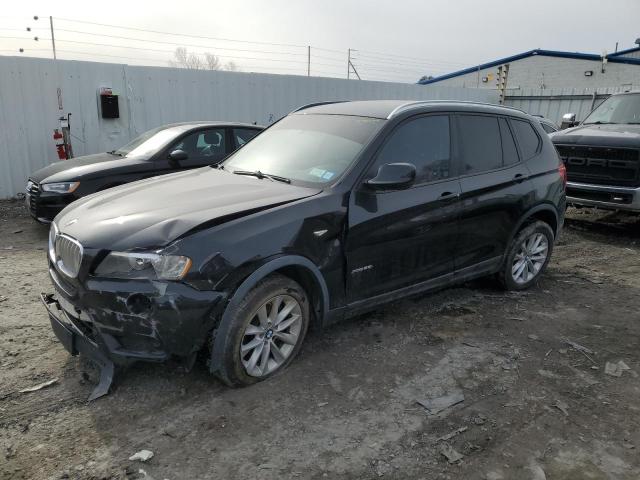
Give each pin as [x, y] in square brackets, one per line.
[152, 96]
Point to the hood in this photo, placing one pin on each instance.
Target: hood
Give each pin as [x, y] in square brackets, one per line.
[75, 168]
[154, 212]
[622, 135]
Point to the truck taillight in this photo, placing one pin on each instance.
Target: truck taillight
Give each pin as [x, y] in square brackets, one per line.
[563, 174]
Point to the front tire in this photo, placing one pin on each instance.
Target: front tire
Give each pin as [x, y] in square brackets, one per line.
[267, 331]
[528, 256]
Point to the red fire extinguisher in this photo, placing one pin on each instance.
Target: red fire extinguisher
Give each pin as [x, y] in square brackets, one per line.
[59, 141]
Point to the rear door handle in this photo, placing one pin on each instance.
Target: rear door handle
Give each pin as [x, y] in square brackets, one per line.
[519, 177]
[449, 195]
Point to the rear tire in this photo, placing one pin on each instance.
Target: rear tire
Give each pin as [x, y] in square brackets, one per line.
[528, 256]
[267, 331]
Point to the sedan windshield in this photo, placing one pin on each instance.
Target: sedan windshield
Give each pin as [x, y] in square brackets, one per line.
[149, 142]
[617, 109]
[308, 148]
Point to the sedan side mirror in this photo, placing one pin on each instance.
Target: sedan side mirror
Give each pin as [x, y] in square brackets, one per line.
[393, 176]
[176, 156]
[568, 120]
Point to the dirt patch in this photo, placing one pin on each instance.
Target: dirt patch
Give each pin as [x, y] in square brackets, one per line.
[346, 408]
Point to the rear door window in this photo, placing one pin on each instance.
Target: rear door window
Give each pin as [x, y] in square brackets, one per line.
[481, 143]
[424, 142]
[243, 135]
[527, 138]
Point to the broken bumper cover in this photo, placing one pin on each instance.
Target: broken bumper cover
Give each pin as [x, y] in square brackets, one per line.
[121, 322]
[76, 343]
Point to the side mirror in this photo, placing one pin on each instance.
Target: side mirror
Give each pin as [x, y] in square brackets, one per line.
[392, 176]
[568, 120]
[176, 156]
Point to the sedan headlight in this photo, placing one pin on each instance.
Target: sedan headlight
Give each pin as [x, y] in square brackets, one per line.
[154, 266]
[53, 232]
[60, 187]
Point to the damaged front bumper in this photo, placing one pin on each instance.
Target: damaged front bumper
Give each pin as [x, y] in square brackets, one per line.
[75, 342]
[116, 323]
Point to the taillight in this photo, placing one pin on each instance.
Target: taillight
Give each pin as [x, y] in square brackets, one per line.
[562, 169]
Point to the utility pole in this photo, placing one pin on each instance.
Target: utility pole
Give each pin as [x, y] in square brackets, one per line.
[350, 65]
[53, 39]
[308, 60]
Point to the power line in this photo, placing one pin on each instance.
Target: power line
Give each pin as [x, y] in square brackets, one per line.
[171, 51]
[177, 44]
[401, 63]
[180, 34]
[393, 56]
[389, 69]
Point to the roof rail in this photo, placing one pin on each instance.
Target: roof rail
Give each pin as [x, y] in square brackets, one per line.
[316, 104]
[417, 104]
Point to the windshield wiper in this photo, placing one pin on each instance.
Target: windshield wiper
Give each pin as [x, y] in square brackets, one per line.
[260, 175]
[600, 122]
[117, 154]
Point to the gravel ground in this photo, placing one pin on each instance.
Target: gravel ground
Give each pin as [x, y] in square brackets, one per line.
[534, 407]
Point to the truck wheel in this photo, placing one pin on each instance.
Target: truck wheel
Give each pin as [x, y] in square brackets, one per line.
[528, 256]
[267, 331]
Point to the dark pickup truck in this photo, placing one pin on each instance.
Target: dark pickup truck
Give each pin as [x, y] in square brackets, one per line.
[602, 155]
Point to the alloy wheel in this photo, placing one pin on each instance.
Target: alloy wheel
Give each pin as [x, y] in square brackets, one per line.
[271, 335]
[530, 258]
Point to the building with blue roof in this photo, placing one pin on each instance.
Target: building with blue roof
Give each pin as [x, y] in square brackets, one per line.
[545, 69]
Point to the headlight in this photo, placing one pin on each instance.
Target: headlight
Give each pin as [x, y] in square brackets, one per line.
[61, 187]
[143, 266]
[53, 231]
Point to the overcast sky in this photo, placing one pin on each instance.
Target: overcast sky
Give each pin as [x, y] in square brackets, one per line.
[395, 40]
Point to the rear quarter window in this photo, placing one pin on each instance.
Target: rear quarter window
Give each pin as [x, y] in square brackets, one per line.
[509, 150]
[527, 138]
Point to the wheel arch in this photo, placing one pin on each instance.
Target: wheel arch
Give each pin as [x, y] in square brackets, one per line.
[545, 212]
[296, 267]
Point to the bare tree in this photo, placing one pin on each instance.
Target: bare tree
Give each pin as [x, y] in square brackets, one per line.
[183, 59]
[231, 66]
[212, 62]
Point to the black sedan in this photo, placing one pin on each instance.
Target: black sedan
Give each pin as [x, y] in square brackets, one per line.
[166, 149]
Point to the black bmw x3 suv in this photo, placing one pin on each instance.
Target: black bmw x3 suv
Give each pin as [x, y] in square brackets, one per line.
[333, 210]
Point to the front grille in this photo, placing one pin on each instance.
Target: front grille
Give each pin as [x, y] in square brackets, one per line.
[68, 255]
[601, 165]
[33, 190]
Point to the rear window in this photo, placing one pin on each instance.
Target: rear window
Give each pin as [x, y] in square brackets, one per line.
[527, 138]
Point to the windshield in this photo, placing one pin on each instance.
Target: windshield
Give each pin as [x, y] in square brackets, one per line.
[149, 142]
[314, 149]
[617, 109]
